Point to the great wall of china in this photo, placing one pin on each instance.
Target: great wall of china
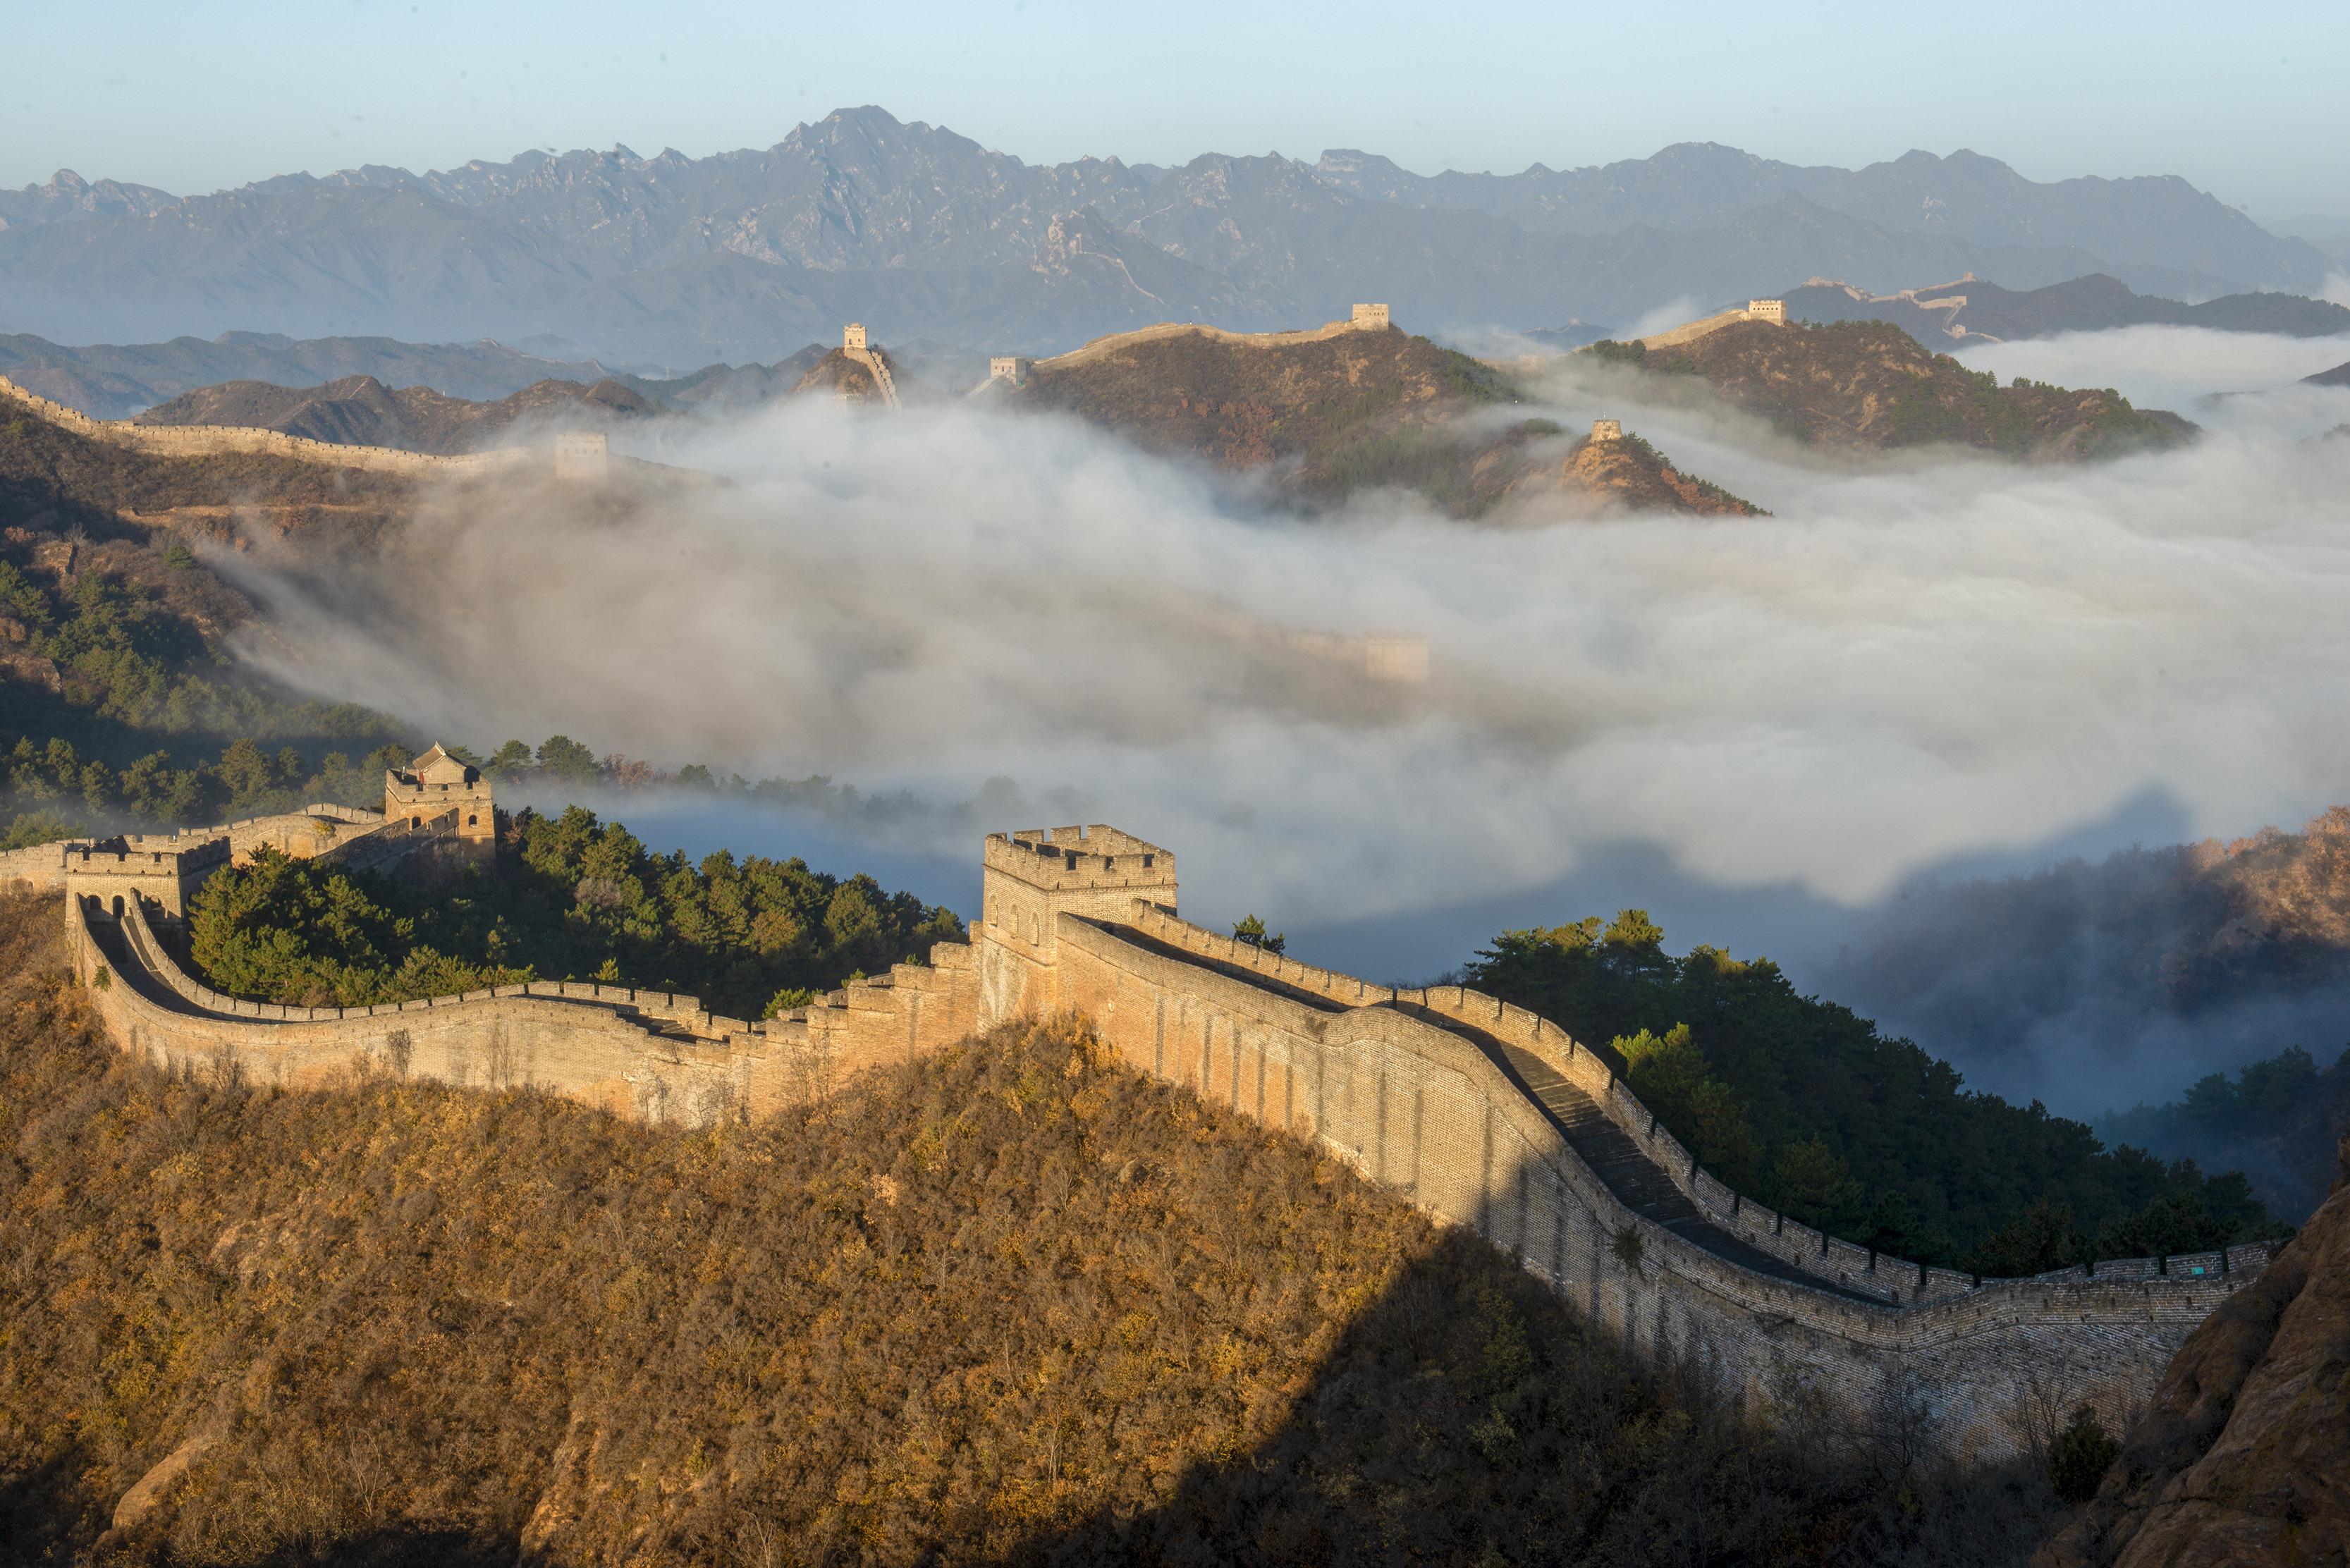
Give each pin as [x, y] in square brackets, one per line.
[575, 456]
[1481, 1114]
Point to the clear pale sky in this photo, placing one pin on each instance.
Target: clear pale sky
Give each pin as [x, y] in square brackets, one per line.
[2242, 101]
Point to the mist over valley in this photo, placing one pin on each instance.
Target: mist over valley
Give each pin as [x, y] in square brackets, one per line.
[1804, 701]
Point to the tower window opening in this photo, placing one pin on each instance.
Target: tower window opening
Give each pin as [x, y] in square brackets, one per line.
[472, 822]
[118, 905]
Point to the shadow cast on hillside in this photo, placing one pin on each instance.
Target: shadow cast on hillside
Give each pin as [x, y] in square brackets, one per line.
[1470, 1416]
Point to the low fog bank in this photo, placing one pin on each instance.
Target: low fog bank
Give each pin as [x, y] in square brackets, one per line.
[2236, 381]
[1915, 664]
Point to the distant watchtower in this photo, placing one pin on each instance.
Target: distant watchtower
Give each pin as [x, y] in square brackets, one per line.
[1371, 319]
[583, 456]
[436, 793]
[1012, 368]
[1770, 310]
[853, 336]
[1606, 429]
[1030, 879]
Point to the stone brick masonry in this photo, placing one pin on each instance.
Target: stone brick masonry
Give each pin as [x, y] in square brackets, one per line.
[1481, 1114]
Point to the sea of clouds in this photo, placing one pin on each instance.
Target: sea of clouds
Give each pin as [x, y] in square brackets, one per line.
[1762, 728]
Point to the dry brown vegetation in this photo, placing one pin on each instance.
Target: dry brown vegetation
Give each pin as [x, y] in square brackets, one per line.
[1015, 1303]
[1630, 474]
[53, 480]
[1860, 385]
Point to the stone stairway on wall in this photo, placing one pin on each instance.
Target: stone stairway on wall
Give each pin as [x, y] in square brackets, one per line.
[874, 362]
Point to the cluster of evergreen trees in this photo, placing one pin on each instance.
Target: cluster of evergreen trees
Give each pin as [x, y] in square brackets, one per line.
[569, 898]
[1806, 1106]
[57, 791]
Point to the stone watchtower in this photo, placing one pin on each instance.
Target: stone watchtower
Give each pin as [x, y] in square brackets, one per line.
[1772, 310]
[1371, 319]
[853, 336]
[1030, 879]
[1606, 429]
[160, 873]
[438, 794]
[583, 456]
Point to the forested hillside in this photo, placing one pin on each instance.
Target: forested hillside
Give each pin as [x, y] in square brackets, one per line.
[569, 899]
[1806, 1106]
[1010, 1304]
[1323, 418]
[117, 681]
[2278, 1119]
[1867, 385]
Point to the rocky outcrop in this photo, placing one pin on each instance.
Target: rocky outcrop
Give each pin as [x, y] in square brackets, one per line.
[1630, 474]
[2245, 1456]
[850, 378]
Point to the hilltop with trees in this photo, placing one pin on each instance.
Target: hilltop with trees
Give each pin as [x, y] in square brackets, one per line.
[1806, 1106]
[569, 898]
[1870, 386]
[1325, 415]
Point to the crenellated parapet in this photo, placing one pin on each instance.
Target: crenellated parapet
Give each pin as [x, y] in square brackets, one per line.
[1482, 1114]
[1492, 1117]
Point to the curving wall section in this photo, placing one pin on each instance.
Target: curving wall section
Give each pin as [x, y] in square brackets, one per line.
[653, 1054]
[1482, 1114]
[1491, 1118]
[206, 441]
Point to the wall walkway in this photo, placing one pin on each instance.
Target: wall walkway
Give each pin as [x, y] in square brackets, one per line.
[1482, 1114]
[1490, 1117]
[658, 1055]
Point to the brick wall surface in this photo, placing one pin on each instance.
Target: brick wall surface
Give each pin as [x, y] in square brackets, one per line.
[1480, 1113]
[1399, 1085]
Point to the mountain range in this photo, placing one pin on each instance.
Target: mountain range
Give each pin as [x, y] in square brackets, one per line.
[1973, 309]
[918, 232]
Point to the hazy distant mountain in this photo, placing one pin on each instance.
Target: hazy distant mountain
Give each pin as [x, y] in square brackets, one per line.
[68, 195]
[918, 232]
[2090, 304]
[2160, 221]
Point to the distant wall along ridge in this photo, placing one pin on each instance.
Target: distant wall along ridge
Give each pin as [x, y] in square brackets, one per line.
[581, 456]
[1481, 1114]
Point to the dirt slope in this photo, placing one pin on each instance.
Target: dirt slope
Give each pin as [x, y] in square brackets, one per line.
[2245, 1456]
[1867, 385]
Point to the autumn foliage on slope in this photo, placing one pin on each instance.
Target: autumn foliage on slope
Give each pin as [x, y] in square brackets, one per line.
[1015, 1303]
[1867, 384]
